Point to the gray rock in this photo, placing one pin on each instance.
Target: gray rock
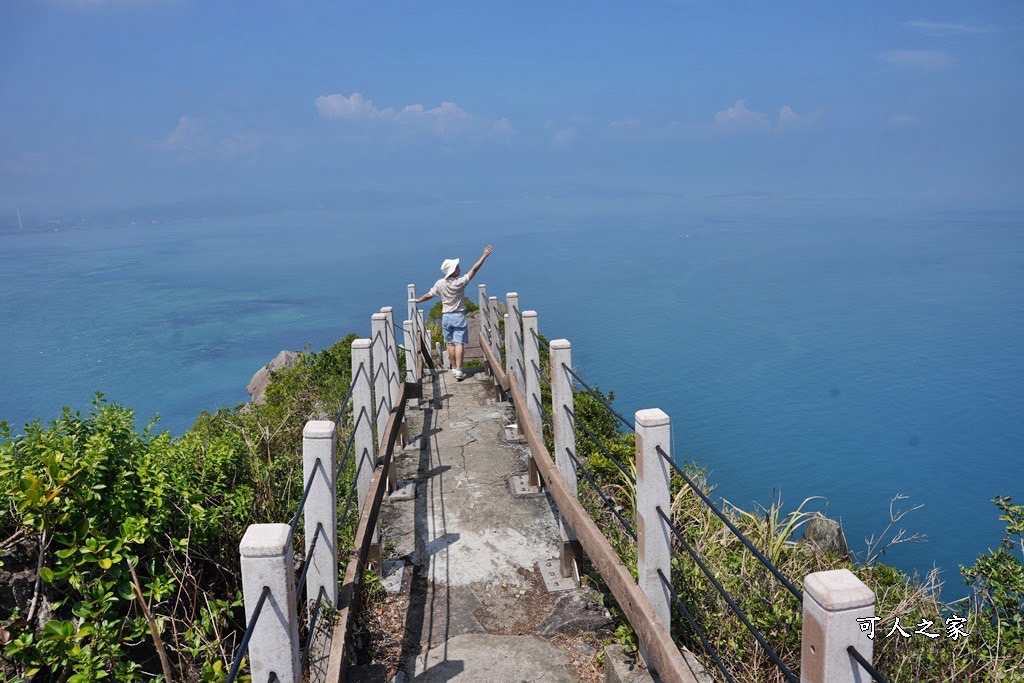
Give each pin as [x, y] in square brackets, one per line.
[575, 612]
[257, 386]
[623, 667]
[825, 535]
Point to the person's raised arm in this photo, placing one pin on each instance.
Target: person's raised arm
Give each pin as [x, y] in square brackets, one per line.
[476, 266]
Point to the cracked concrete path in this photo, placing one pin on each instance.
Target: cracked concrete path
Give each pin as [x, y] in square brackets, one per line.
[475, 598]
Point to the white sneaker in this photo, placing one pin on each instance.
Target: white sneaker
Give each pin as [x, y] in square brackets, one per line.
[458, 374]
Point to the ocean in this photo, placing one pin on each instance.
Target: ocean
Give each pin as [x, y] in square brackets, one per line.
[847, 350]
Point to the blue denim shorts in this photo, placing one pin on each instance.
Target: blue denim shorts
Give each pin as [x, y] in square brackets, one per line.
[454, 327]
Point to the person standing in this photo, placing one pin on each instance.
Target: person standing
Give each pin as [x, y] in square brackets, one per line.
[452, 290]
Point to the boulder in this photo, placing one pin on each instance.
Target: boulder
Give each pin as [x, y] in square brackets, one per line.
[257, 386]
[576, 612]
[825, 535]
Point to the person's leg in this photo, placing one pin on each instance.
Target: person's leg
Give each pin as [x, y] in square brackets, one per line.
[458, 355]
[453, 354]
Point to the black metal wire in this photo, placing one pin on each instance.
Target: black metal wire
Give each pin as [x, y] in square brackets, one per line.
[348, 446]
[607, 453]
[598, 396]
[693, 624]
[312, 628]
[309, 557]
[797, 593]
[305, 495]
[522, 369]
[273, 678]
[351, 387]
[607, 503]
[866, 664]
[542, 340]
[540, 374]
[728, 598]
[351, 491]
[377, 372]
[240, 653]
[519, 340]
[543, 413]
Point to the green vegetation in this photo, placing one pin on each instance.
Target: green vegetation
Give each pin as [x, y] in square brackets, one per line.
[994, 650]
[126, 531]
[109, 512]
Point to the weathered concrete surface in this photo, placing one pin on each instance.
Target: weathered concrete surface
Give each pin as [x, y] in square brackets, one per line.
[477, 607]
[496, 659]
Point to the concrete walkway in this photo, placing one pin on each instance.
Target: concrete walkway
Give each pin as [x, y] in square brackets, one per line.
[477, 608]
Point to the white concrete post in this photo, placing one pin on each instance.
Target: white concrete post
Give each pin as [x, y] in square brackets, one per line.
[508, 344]
[492, 320]
[414, 317]
[485, 338]
[514, 344]
[266, 554]
[653, 540]
[319, 461]
[412, 372]
[394, 381]
[565, 438]
[531, 361]
[381, 383]
[363, 407]
[833, 601]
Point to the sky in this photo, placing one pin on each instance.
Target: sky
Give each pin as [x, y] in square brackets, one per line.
[107, 103]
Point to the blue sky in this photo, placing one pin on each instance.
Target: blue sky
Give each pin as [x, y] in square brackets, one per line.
[117, 102]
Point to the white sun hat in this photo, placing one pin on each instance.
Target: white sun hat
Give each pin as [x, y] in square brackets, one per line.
[448, 266]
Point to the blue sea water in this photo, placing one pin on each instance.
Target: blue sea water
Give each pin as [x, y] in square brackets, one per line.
[848, 351]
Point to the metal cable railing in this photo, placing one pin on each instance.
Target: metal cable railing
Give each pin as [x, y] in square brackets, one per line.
[728, 598]
[305, 565]
[348, 446]
[312, 627]
[708, 647]
[243, 646]
[797, 593]
[348, 396]
[302, 501]
[607, 503]
[579, 423]
[544, 413]
[599, 397]
[540, 339]
[866, 664]
[540, 375]
[351, 491]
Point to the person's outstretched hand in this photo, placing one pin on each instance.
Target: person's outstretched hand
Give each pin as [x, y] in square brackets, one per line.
[488, 250]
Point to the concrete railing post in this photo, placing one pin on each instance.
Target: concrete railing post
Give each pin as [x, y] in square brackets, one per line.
[833, 602]
[412, 370]
[266, 558]
[381, 382]
[319, 460]
[482, 302]
[514, 345]
[565, 442]
[653, 539]
[394, 381]
[363, 414]
[492, 320]
[509, 356]
[531, 361]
